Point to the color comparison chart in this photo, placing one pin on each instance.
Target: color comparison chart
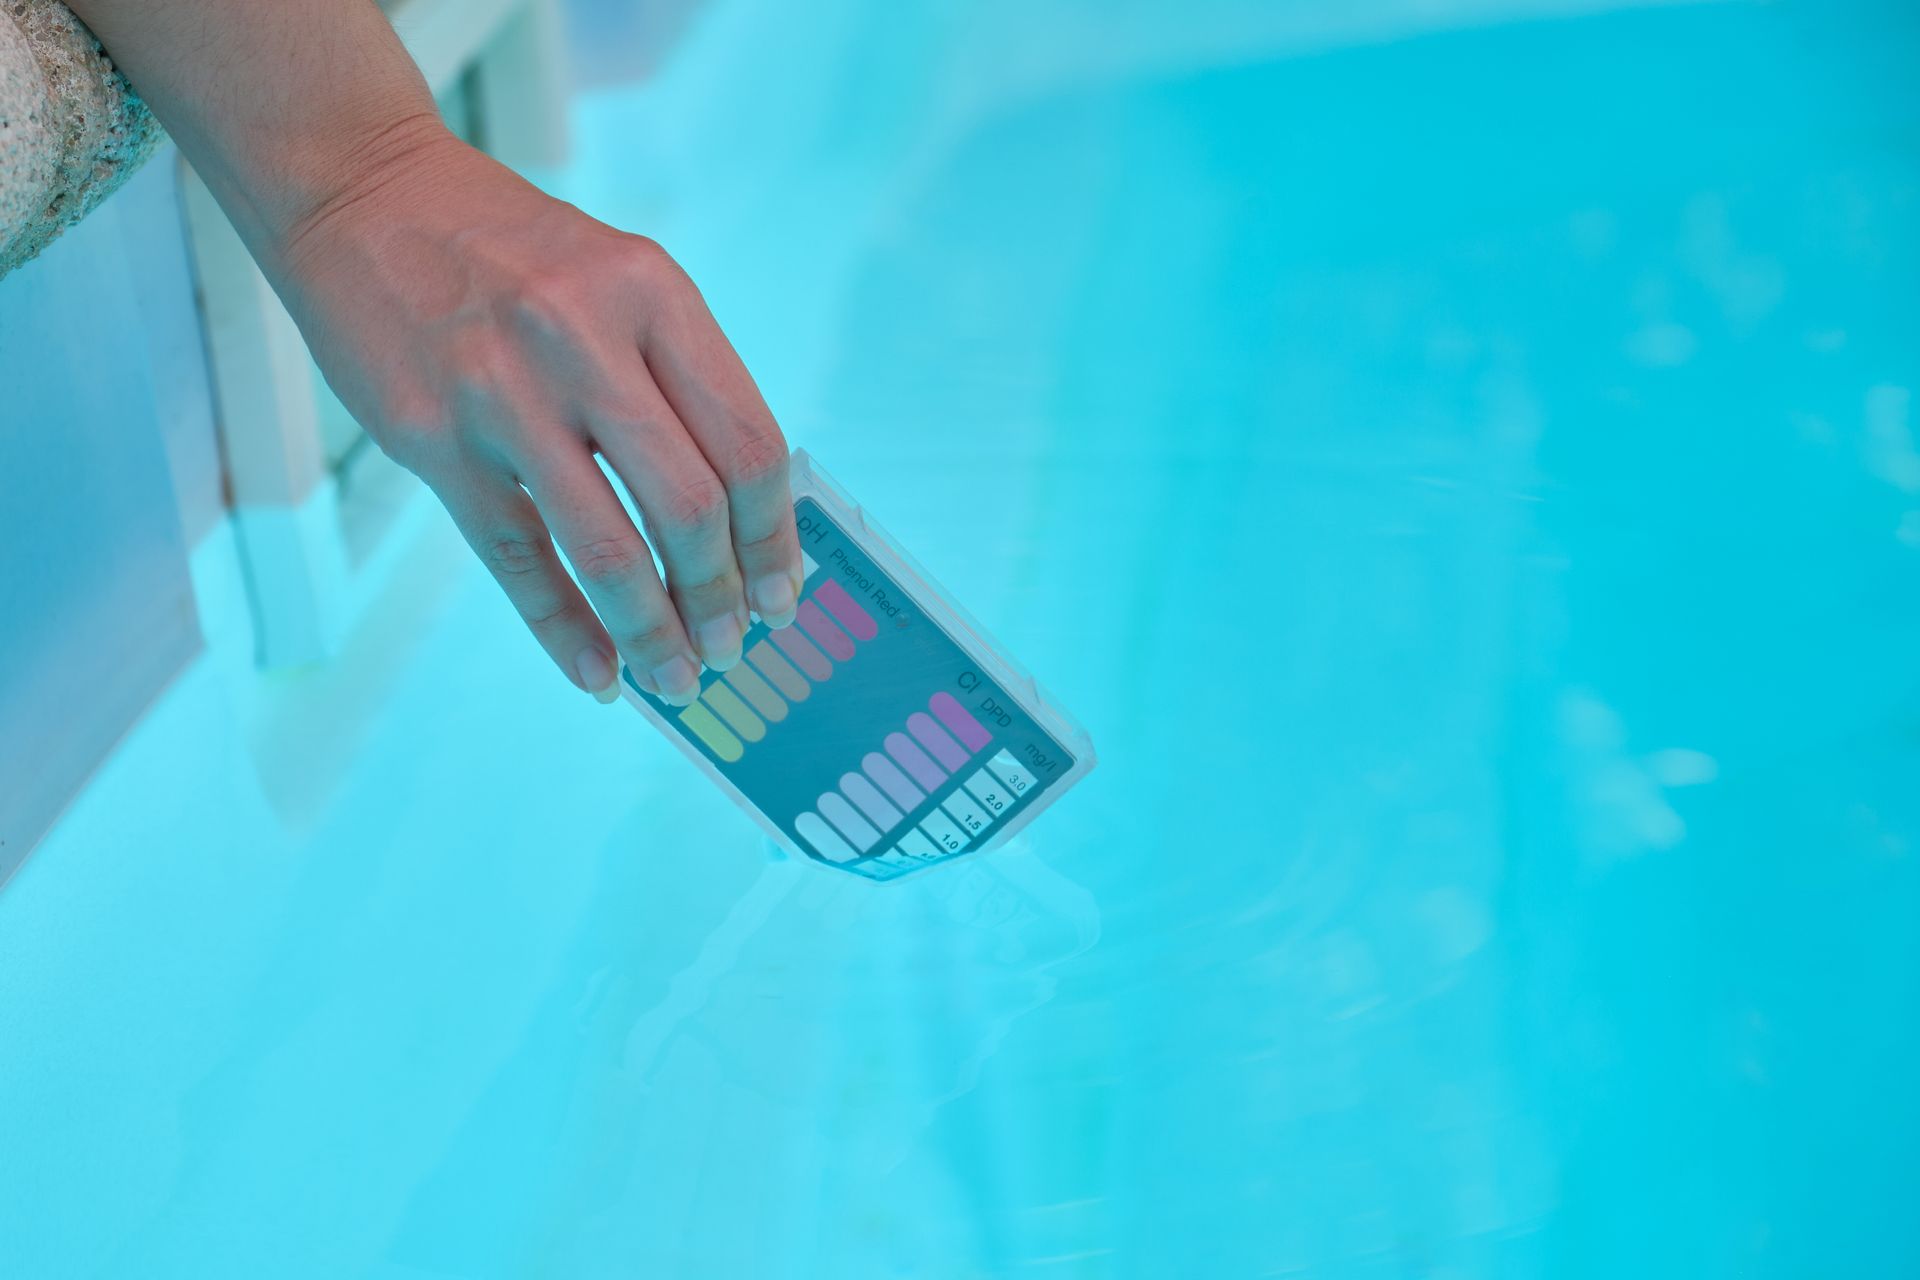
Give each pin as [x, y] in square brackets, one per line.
[882, 733]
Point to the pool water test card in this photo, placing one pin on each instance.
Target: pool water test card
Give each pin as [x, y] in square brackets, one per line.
[883, 732]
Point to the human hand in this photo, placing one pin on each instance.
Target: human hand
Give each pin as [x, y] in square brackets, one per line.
[492, 339]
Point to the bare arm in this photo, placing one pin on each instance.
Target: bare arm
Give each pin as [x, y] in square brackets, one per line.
[488, 337]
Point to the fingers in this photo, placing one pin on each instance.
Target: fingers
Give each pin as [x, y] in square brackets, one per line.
[613, 564]
[764, 540]
[710, 390]
[501, 525]
[685, 429]
[686, 509]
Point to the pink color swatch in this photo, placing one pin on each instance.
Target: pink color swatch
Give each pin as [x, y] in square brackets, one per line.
[818, 626]
[846, 610]
[891, 780]
[937, 740]
[915, 761]
[803, 654]
[956, 718]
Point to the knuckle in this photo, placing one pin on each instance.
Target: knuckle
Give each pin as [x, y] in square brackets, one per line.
[546, 613]
[546, 298]
[418, 449]
[656, 281]
[697, 505]
[760, 457]
[514, 555]
[646, 255]
[651, 638]
[478, 362]
[608, 561]
[411, 427]
[655, 271]
[414, 409]
[763, 546]
[724, 584]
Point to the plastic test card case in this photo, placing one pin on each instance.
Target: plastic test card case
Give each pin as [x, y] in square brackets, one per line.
[884, 732]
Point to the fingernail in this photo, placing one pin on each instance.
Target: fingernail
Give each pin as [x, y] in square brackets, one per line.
[597, 674]
[720, 641]
[678, 680]
[774, 600]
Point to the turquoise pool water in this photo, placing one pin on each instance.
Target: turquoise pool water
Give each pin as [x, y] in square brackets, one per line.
[1459, 464]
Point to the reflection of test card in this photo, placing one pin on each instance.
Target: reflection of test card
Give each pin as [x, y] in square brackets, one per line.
[883, 732]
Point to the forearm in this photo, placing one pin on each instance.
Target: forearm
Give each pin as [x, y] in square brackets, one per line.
[282, 105]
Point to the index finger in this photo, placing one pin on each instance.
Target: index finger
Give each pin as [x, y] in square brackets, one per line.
[709, 388]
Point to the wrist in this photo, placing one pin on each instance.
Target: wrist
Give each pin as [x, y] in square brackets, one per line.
[349, 173]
